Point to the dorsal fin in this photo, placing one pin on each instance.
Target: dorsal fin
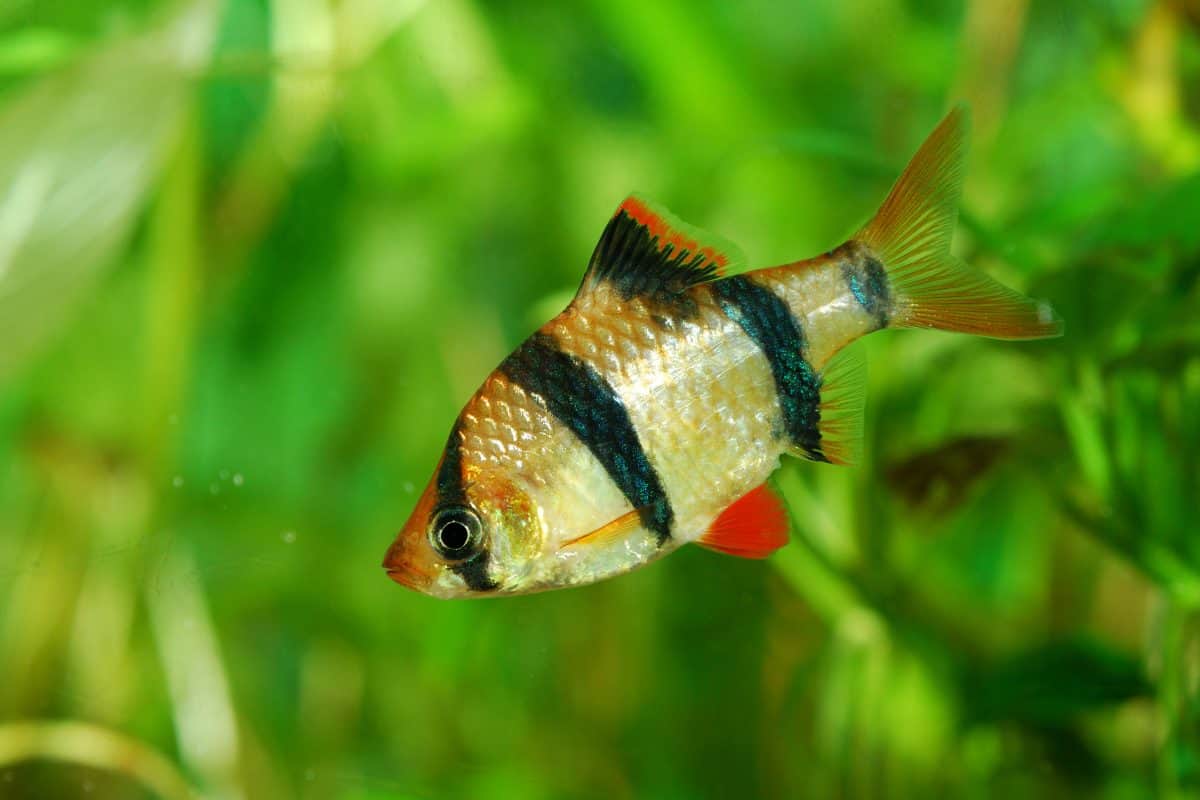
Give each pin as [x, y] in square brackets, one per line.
[645, 250]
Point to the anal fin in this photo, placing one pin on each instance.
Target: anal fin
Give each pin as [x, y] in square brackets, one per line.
[755, 526]
[843, 406]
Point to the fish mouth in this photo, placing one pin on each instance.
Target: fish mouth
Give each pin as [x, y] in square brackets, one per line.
[408, 576]
[404, 572]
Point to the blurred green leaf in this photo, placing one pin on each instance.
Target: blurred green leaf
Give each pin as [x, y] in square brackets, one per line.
[1053, 683]
[34, 50]
[79, 151]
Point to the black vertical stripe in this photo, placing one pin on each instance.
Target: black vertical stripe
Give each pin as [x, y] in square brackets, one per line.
[474, 571]
[582, 400]
[768, 321]
[451, 492]
[449, 479]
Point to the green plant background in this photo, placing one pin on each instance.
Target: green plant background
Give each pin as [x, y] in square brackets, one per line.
[254, 256]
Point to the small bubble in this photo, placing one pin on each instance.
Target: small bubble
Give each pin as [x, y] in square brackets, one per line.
[408, 487]
[214, 489]
[224, 474]
[288, 537]
[88, 787]
[173, 419]
[177, 481]
[310, 774]
[238, 480]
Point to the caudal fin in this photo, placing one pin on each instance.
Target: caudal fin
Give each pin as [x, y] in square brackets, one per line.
[911, 234]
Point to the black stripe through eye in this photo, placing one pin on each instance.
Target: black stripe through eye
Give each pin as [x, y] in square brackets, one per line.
[768, 321]
[474, 572]
[456, 533]
[582, 400]
[469, 564]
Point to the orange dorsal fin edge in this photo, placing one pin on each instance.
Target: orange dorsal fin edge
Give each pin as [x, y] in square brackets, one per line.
[754, 526]
[646, 250]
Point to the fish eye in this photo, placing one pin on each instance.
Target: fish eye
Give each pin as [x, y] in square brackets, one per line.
[455, 532]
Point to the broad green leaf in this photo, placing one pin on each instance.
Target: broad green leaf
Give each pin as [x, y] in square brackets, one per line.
[79, 151]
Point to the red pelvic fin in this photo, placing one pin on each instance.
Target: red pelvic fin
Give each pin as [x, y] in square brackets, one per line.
[753, 527]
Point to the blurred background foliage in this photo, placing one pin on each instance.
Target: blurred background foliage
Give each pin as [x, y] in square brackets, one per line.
[255, 254]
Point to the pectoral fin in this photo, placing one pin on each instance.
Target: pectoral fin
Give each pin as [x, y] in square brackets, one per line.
[606, 534]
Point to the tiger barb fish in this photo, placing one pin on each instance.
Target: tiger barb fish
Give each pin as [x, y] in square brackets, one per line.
[651, 411]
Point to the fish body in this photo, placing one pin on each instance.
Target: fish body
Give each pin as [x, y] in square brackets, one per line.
[652, 410]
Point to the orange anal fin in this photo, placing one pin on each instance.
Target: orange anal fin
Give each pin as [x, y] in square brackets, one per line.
[753, 527]
[619, 527]
[843, 395]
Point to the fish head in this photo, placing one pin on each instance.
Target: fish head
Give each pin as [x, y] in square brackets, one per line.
[477, 537]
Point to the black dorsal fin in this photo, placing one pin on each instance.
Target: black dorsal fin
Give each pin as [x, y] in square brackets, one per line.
[647, 251]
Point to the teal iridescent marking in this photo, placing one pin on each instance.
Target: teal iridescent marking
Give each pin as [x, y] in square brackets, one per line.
[857, 289]
[868, 282]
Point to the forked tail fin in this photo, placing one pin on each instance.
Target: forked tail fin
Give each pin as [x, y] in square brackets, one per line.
[910, 235]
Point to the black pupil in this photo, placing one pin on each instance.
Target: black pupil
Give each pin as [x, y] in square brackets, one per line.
[454, 535]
